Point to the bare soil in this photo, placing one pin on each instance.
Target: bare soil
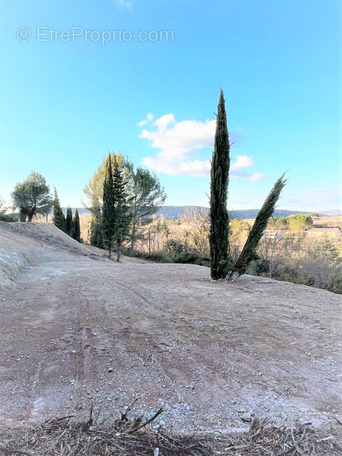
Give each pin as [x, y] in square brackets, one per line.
[79, 329]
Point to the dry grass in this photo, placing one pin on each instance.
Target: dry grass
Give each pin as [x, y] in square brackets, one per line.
[126, 437]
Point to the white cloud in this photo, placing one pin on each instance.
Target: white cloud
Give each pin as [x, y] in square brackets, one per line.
[242, 161]
[314, 199]
[185, 148]
[121, 4]
[148, 119]
[257, 176]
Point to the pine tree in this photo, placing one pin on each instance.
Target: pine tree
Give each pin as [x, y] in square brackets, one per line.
[68, 221]
[248, 253]
[58, 216]
[76, 227]
[218, 196]
[109, 221]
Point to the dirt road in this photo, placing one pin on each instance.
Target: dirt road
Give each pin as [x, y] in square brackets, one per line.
[78, 329]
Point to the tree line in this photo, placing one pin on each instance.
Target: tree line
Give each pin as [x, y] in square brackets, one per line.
[121, 198]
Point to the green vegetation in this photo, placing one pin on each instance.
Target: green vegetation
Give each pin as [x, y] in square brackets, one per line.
[76, 232]
[32, 197]
[146, 197]
[68, 222]
[58, 216]
[220, 252]
[108, 208]
[248, 253]
[4, 217]
[115, 212]
[218, 196]
[143, 197]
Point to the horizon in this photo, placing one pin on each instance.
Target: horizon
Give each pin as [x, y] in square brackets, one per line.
[143, 78]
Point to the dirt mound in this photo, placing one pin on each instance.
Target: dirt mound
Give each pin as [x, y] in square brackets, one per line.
[24, 244]
[78, 332]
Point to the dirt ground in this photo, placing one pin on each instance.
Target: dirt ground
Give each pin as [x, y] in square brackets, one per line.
[78, 329]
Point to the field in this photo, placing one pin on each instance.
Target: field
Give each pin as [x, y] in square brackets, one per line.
[81, 330]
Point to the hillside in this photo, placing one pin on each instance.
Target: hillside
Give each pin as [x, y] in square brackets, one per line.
[176, 212]
[79, 329]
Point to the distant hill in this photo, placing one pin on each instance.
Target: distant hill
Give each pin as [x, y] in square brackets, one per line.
[175, 212]
[332, 213]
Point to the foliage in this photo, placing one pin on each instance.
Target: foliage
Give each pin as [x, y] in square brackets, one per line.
[248, 253]
[122, 215]
[58, 216]
[94, 192]
[76, 232]
[94, 189]
[278, 223]
[198, 225]
[6, 217]
[299, 222]
[146, 196]
[32, 197]
[115, 212]
[174, 247]
[191, 258]
[218, 195]
[335, 282]
[68, 222]
[238, 233]
[109, 227]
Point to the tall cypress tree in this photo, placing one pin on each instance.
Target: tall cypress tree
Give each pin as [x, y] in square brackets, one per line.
[108, 209]
[122, 215]
[58, 216]
[248, 253]
[68, 221]
[219, 226]
[76, 234]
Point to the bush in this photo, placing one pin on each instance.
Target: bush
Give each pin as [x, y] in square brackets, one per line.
[335, 284]
[9, 217]
[191, 258]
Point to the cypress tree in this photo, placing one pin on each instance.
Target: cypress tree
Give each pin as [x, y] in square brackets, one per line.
[248, 253]
[108, 209]
[219, 222]
[58, 216]
[76, 227]
[68, 221]
[122, 215]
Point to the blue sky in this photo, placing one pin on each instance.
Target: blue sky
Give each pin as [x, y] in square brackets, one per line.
[81, 78]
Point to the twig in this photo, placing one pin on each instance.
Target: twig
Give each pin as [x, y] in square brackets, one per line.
[146, 422]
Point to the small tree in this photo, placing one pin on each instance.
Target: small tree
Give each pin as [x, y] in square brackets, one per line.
[58, 216]
[32, 197]
[76, 227]
[146, 196]
[68, 221]
[218, 196]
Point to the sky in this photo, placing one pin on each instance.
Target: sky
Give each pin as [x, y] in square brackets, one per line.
[81, 78]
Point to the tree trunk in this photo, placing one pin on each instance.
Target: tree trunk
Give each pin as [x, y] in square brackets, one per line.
[118, 251]
[131, 248]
